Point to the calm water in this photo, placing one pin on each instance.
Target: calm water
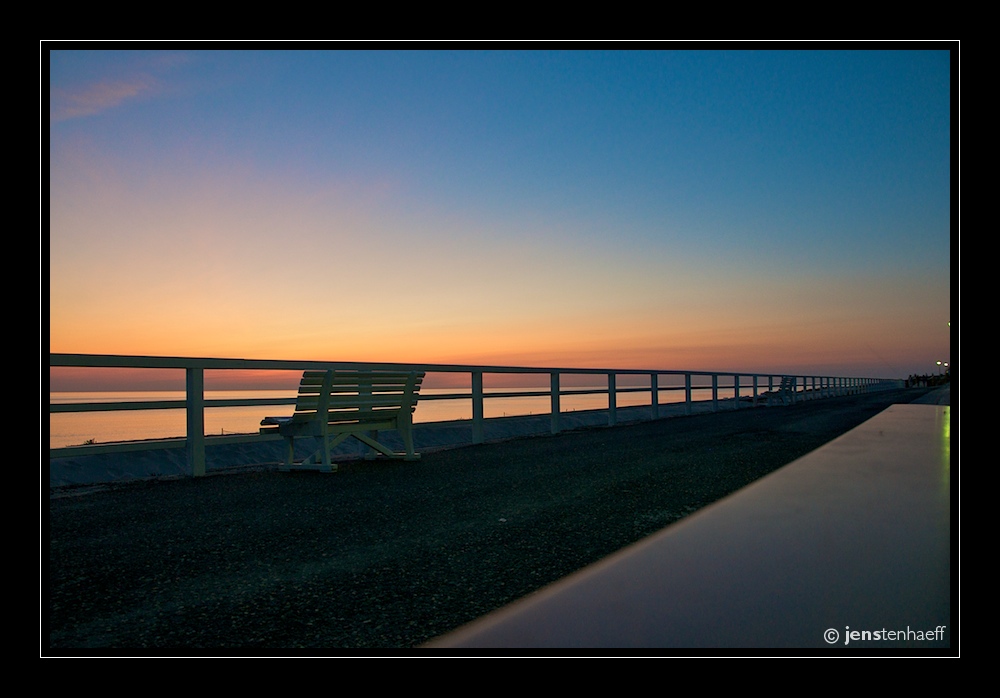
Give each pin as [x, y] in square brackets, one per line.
[71, 429]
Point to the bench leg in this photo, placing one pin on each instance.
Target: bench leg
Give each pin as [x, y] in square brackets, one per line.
[372, 451]
[326, 454]
[406, 432]
[319, 459]
[322, 456]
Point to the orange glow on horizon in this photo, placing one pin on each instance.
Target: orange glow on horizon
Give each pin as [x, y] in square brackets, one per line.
[496, 230]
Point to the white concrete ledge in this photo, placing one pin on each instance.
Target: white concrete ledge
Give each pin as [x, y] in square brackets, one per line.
[852, 538]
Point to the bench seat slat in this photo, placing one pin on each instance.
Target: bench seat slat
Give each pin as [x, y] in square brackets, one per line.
[312, 404]
[372, 378]
[348, 413]
[365, 378]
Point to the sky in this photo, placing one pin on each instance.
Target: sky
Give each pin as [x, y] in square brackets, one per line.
[782, 211]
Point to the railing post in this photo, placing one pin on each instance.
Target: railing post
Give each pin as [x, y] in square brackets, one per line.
[736, 390]
[755, 390]
[194, 380]
[687, 393]
[654, 389]
[477, 407]
[612, 401]
[554, 387]
[715, 392]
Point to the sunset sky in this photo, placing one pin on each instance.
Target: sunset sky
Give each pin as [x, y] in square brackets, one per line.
[784, 211]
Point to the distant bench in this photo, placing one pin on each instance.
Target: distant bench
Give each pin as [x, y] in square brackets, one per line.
[334, 405]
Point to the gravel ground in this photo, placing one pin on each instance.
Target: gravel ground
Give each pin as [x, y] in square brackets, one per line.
[387, 555]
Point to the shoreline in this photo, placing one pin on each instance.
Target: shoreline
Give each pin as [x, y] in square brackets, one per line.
[428, 437]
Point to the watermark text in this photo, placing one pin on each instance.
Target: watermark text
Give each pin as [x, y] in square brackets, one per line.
[832, 635]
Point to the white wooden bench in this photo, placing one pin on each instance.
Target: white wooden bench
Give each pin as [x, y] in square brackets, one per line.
[785, 394]
[335, 405]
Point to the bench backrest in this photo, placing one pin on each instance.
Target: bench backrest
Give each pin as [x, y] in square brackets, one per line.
[357, 396]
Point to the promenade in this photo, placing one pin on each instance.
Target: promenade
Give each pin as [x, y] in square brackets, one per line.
[389, 555]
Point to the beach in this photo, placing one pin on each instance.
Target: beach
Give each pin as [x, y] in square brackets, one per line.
[388, 555]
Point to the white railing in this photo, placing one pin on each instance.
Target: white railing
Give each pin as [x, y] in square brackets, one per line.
[735, 386]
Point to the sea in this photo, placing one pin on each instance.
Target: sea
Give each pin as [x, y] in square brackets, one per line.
[78, 428]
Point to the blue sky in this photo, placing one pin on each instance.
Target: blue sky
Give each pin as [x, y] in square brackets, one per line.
[733, 210]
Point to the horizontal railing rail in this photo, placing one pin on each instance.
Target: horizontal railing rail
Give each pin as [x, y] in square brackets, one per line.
[737, 387]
